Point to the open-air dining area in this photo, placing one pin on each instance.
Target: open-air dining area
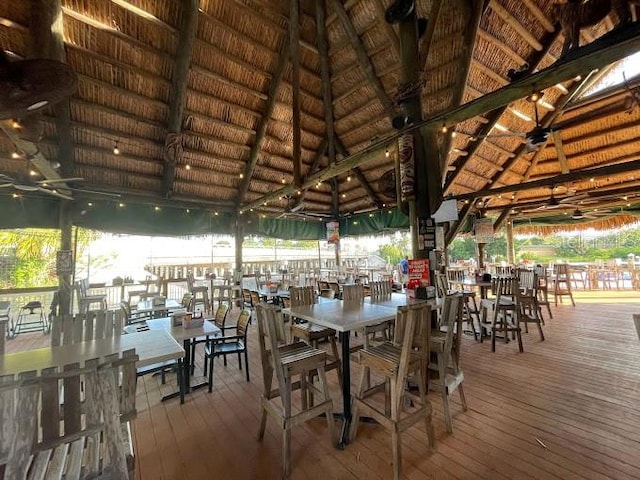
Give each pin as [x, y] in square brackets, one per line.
[338, 239]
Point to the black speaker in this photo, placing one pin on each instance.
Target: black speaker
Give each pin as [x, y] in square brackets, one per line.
[399, 10]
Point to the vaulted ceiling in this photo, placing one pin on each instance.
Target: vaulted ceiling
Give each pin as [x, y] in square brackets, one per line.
[271, 106]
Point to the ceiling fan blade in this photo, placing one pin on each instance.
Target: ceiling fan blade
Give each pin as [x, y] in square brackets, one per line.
[60, 180]
[95, 192]
[55, 193]
[26, 188]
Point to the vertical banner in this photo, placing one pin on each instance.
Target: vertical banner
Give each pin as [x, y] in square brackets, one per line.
[419, 272]
[333, 232]
[407, 168]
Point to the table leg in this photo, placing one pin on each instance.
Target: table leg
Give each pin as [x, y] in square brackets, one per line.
[346, 390]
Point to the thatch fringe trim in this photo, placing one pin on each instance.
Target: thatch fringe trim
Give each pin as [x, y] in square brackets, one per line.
[609, 223]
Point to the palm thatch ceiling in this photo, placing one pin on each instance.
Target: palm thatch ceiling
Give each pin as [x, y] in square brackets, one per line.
[280, 106]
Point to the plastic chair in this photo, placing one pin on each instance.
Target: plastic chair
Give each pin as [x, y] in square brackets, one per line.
[31, 318]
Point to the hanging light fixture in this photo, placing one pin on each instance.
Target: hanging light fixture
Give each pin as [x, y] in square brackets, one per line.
[116, 150]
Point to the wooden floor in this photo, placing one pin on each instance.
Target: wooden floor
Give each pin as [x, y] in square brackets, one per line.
[566, 408]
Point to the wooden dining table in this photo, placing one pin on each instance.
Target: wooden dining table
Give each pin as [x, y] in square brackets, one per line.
[344, 317]
[179, 334]
[151, 347]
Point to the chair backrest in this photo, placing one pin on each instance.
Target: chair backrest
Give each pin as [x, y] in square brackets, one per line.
[441, 284]
[335, 286]
[504, 286]
[451, 318]
[352, 293]
[78, 407]
[68, 329]
[327, 293]
[255, 298]
[187, 301]
[323, 285]
[271, 335]
[243, 322]
[561, 271]
[246, 295]
[221, 314]
[380, 288]
[302, 296]
[125, 307]
[527, 280]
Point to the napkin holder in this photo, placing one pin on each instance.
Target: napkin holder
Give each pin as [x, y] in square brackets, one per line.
[158, 301]
[177, 319]
[190, 321]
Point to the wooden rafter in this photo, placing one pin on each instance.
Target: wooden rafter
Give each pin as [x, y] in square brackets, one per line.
[179, 85]
[294, 36]
[361, 55]
[466, 60]
[494, 116]
[325, 74]
[364, 183]
[607, 49]
[262, 126]
[515, 24]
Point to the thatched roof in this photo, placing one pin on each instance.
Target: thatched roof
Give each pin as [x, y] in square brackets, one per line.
[215, 85]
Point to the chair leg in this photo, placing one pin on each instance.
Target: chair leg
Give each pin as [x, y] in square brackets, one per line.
[210, 359]
[324, 388]
[540, 330]
[286, 434]
[397, 453]
[246, 363]
[442, 373]
[267, 381]
[355, 414]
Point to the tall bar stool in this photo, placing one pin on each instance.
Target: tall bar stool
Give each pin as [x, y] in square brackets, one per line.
[562, 283]
[200, 293]
[31, 318]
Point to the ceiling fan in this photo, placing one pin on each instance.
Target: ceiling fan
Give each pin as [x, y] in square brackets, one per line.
[57, 187]
[30, 85]
[594, 214]
[534, 138]
[387, 184]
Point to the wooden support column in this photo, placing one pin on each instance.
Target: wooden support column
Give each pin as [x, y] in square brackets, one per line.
[179, 84]
[294, 36]
[325, 74]
[427, 186]
[48, 42]
[239, 238]
[511, 257]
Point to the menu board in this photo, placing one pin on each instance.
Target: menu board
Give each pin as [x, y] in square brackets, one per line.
[419, 270]
[333, 232]
[426, 233]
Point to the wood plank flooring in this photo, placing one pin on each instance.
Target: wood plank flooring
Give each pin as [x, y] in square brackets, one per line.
[566, 408]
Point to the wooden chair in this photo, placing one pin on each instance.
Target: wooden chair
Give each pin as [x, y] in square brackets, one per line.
[352, 293]
[448, 375]
[562, 283]
[31, 318]
[335, 286]
[67, 423]
[69, 329]
[246, 298]
[470, 310]
[289, 362]
[200, 293]
[527, 301]
[219, 320]
[543, 289]
[504, 310]
[407, 355]
[380, 288]
[228, 345]
[313, 334]
[85, 301]
[132, 316]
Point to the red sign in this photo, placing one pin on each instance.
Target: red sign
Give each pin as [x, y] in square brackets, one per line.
[419, 273]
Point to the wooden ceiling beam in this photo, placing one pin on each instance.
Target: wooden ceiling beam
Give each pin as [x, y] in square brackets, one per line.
[261, 130]
[361, 54]
[325, 75]
[609, 48]
[360, 176]
[517, 59]
[390, 33]
[539, 15]
[145, 15]
[481, 139]
[555, 180]
[294, 56]
[465, 61]
[172, 151]
[515, 24]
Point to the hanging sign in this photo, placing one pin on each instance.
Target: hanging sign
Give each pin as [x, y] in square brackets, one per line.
[483, 230]
[426, 234]
[333, 232]
[407, 168]
[64, 262]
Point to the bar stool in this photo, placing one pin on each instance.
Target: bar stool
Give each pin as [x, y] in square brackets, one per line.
[200, 293]
[31, 318]
[562, 283]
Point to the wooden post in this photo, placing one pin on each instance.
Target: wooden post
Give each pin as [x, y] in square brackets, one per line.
[239, 234]
[480, 252]
[294, 39]
[510, 247]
